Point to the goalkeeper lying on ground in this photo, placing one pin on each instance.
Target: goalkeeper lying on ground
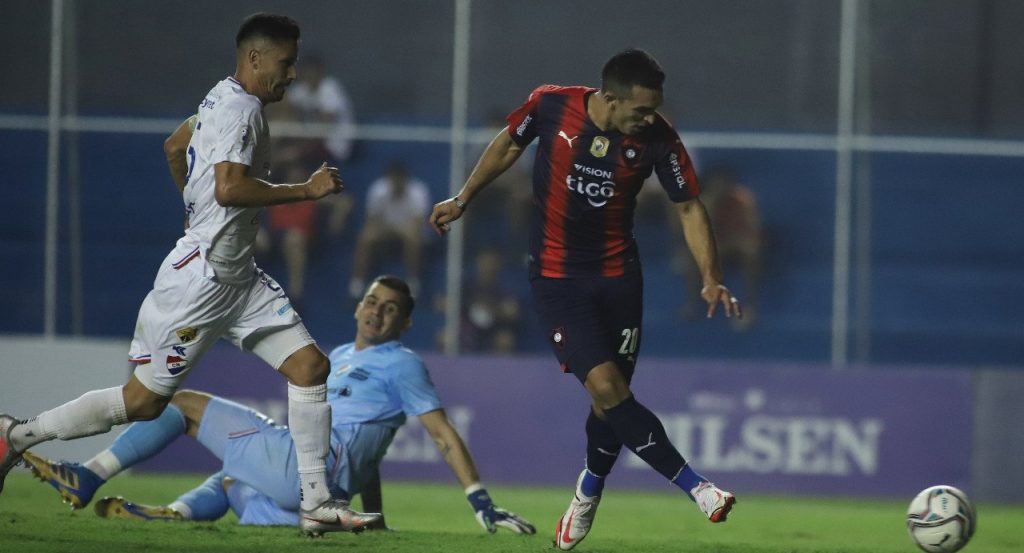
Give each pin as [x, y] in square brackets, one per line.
[374, 384]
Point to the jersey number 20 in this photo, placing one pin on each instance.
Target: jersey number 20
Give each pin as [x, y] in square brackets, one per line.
[630, 340]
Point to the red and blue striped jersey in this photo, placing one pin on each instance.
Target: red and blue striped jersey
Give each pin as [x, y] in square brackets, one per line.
[585, 183]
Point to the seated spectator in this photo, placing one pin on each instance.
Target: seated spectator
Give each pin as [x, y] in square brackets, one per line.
[292, 228]
[396, 212]
[316, 97]
[490, 313]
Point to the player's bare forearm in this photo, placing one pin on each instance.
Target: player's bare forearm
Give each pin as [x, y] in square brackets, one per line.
[235, 188]
[451, 446]
[176, 148]
[700, 239]
[500, 154]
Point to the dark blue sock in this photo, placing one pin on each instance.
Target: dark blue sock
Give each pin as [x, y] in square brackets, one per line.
[591, 485]
[640, 430]
[688, 479]
[603, 446]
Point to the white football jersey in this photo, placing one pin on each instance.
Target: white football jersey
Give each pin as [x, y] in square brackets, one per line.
[230, 127]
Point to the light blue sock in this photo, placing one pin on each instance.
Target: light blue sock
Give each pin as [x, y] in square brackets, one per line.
[687, 479]
[592, 485]
[145, 439]
[209, 501]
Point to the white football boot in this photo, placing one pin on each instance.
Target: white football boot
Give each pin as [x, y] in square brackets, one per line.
[715, 503]
[575, 523]
[334, 515]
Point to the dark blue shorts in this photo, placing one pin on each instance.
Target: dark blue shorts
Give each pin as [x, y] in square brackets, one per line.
[592, 320]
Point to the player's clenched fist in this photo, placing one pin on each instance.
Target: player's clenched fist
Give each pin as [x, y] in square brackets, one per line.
[324, 181]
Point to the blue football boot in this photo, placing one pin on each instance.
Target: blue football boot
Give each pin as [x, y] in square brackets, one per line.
[75, 483]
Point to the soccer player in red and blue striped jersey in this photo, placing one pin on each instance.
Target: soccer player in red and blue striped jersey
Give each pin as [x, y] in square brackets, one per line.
[596, 147]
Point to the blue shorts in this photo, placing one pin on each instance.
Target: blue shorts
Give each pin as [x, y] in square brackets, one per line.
[260, 455]
[592, 320]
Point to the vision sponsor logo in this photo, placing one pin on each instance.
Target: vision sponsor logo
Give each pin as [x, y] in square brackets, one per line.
[522, 126]
[594, 172]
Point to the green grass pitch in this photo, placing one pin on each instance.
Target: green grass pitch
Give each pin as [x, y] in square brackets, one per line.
[436, 518]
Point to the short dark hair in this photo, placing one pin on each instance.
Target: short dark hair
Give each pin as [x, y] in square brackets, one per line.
[629, 68]
[269, 26]
[408, 303]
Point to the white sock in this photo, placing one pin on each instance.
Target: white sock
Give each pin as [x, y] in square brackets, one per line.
[105, 464]
[93, 413]
[184, 510]
[309, 420]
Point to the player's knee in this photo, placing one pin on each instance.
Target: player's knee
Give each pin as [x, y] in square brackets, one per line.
[141, 403]
[308, 370]
[192, 405]
[606, 392]
[144, 407]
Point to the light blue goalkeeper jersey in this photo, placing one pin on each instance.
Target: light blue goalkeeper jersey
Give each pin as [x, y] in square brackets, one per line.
[381, 384]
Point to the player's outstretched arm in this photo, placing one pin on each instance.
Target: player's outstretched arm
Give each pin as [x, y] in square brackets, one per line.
[234, 187]
[500, 154]
[176, 150]
[701, 241]
[455, 453]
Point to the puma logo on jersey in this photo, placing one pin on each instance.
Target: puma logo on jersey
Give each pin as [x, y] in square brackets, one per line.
[566, 137]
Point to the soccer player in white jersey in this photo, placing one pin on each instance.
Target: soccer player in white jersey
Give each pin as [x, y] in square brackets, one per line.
[208, 287]
[375, 383]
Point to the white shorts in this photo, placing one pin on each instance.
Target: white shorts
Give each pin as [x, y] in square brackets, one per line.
[185, 313]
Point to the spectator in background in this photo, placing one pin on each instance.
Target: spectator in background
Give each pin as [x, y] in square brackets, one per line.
[395, 206]
[317, 97]
[292, 228]
[490, 314]
[732, 207]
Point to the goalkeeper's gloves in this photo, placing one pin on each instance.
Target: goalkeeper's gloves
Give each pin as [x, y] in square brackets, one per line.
[491, 517]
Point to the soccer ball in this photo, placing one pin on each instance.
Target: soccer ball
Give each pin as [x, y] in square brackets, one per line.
[941, 519]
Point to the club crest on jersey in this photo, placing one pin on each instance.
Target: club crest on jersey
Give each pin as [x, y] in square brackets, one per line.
[175, 364]
[187, 334]
[599, 147]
